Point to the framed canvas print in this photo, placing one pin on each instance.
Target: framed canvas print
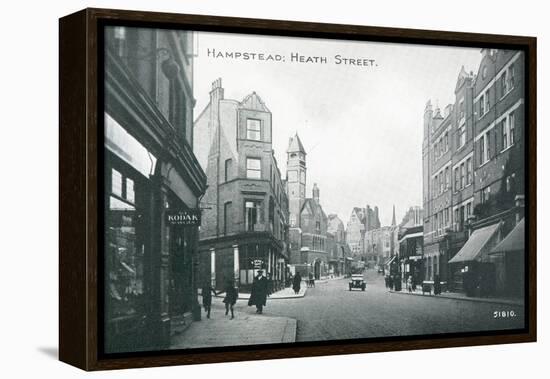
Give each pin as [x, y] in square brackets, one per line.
[238, 189]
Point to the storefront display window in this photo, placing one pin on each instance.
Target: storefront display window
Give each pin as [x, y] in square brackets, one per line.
[124, 255]
[127, 196]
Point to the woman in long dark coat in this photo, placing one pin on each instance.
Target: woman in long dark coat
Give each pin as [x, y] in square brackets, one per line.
[296, 283]
[258, 294]
[230, 298]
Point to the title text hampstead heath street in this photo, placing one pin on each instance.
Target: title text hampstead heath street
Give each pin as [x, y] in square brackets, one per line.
[338, 59]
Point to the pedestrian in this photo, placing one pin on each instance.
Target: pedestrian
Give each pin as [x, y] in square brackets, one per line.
[230, 298]
[206, 293]
[296, 283]
[437, 285]
[390, 282]
[258, 294]
[311, 280]
[409, 283]
[387, 281]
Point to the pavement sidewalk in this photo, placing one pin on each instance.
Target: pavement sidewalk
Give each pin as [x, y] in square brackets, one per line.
[285, 293]
[244, 329]
[462, 296]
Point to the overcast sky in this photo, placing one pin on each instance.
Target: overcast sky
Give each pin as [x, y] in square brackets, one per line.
[361, 126]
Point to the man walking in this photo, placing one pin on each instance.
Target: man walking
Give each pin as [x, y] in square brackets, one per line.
[258, 294]
[296, 283]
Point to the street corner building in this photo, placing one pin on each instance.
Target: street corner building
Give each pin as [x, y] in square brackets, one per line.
[473, 180]
[245, 208]
[150, 171]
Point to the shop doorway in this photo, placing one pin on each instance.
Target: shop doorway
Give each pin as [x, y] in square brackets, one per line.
[181, 242]
[317, 270]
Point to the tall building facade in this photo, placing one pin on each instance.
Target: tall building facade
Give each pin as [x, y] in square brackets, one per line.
[150, 173]
[309, 248]
[245, 209]
[473, 174]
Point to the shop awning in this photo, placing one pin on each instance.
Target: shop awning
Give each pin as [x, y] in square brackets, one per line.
[412, 235]
[390, 260]
[475, 244]
[514, 241]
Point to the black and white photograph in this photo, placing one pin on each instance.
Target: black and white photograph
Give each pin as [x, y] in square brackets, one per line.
[271, 190]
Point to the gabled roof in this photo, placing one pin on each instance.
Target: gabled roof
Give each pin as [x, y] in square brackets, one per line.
[295, 145]
[254, 102]
[360, 212]
[314, 207]
[462, 77]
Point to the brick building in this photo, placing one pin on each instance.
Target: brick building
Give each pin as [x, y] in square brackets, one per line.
[245, 209]
[309, 250]
[473, 175]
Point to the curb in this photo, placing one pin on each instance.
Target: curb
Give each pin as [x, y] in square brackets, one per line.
[220, 296]
[473, 299]
[289, 334]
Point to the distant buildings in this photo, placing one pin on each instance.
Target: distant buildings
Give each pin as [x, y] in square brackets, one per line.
[339, 251]
[245, 209]
[473, 177]
[413, 217]
[361, 220]
[411, 245]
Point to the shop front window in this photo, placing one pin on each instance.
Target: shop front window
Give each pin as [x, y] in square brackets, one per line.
[124, 253]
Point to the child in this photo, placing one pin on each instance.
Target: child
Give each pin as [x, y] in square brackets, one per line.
[230, 298]
[409, 283]
[207, 292]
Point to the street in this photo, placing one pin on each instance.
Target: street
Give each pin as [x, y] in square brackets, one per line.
[330, 311]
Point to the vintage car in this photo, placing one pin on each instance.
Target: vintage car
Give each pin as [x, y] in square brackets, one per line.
[357, 281]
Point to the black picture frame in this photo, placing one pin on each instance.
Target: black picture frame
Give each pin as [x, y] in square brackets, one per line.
[81, 77]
